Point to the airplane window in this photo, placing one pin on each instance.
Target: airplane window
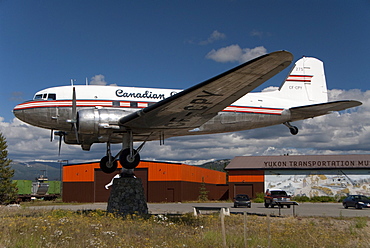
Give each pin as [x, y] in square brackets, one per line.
[52, 96]
[38, 97]
[44, 96]
[115, 103]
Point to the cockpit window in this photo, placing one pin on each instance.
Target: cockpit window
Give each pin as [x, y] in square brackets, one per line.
[37, 97]
[52, 96]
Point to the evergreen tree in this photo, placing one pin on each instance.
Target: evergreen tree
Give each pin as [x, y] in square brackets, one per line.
[203, 193]
[8, 189]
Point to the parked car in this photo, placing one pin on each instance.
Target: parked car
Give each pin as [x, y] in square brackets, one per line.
[356, 201]
[242, 200]
[275, 196]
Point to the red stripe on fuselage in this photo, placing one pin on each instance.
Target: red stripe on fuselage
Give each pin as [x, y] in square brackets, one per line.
[126, 104]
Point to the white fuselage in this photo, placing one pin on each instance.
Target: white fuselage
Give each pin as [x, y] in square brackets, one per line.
[52, 107]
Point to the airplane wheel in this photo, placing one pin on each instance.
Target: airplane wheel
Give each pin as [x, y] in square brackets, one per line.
[106, 167]
[293, 130]
[126, 161]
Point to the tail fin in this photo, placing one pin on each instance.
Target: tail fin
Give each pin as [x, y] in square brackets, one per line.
[306, 82]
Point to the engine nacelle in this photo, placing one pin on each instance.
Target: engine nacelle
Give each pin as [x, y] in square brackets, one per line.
[95, 121]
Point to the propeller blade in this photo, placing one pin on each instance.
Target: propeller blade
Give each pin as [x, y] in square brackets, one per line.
[74, 106]
[51, 135]
[60, 134]
[60, 144]
[76, 132]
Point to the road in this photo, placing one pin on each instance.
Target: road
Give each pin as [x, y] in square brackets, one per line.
[303, 209]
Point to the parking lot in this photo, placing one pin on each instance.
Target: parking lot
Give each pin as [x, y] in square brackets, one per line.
[303, 209]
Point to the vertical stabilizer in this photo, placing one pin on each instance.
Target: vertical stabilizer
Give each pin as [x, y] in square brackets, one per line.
[306, 82]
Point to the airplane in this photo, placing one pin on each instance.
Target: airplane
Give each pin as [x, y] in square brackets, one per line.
[88, 114]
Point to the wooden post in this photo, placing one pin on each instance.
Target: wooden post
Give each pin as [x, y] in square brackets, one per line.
[245, 230]
[223, 230]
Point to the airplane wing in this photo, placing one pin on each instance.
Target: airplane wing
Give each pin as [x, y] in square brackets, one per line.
[194, 106]
[310, 111]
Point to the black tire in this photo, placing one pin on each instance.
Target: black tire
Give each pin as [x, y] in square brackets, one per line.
[294, 130]
[126, 162]
[106, 167]
[266, 205]
[358, 206]
[345, 205]
[235, 206]
[288, 206]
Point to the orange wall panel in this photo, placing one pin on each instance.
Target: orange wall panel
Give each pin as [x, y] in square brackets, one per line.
[79, 173]
[199, 175]
[246, 178]
[157, 171]
[164, 172]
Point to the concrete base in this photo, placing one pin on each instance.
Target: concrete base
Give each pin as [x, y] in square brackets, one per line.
[127, 197]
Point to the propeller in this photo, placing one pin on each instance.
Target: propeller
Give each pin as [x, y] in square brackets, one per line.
[73, 119]
[60, 134]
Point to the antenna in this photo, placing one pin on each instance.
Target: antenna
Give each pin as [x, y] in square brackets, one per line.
[87, 83]
[72, 80]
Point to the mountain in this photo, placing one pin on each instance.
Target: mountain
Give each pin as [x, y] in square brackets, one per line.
[32, 170]
[218, 165]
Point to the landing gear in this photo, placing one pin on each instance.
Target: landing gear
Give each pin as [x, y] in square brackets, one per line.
[108, 165]
[293, 129]
[128, 160]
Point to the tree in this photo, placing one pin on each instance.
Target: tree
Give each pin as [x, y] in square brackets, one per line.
[203, 193]
[8, 189]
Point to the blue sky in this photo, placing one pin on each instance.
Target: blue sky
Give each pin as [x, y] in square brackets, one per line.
[165, 44]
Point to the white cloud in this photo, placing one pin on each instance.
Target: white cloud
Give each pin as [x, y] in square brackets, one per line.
[215, 36]
[235, 53]
[98, 80]
[347, 132]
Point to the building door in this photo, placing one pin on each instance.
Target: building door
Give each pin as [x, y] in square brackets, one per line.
[170, 195]
[246, 189]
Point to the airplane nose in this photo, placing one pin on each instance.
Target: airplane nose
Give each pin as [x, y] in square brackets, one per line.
[19, 112]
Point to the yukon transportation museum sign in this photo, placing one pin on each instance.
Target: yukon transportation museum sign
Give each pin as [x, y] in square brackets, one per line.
[301, 162]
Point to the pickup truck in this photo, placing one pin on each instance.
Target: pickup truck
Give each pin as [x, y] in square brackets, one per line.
[273, 197]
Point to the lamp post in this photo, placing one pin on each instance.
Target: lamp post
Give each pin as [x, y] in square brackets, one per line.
[60, 173]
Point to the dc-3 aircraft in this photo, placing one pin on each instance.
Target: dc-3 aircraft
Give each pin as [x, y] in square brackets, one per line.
[87, 114]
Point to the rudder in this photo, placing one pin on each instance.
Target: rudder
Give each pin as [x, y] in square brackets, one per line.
[306, 82]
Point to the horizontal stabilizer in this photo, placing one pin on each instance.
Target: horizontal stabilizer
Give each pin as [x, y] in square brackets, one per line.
[310, 111]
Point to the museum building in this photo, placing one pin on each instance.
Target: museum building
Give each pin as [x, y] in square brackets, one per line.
[311, 175]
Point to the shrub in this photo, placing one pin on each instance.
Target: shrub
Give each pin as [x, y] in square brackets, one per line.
[322, 199]
[301, 198]
[259, 198]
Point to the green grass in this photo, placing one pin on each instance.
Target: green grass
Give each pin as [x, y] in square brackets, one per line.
[61, 228]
